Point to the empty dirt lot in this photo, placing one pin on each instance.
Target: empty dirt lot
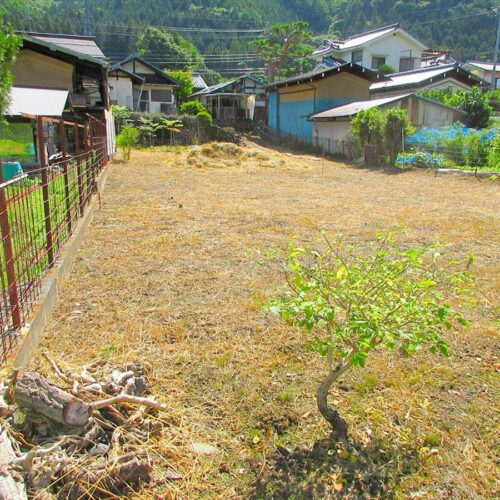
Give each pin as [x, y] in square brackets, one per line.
[169, 275]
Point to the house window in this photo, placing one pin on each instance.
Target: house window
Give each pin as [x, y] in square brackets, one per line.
[145, 95]
[406, 64]
[357, 56]
[161, 95]
[377, 61]
[165, 108]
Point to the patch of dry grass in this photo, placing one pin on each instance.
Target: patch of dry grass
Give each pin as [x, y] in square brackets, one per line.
[168, 274]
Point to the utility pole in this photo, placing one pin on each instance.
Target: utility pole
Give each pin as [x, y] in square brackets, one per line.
[88, 29]
[496, 10]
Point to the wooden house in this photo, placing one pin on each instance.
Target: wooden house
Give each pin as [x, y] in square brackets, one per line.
[241, 99]
[140, 86]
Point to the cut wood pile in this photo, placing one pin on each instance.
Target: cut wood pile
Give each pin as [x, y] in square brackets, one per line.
[77, 435]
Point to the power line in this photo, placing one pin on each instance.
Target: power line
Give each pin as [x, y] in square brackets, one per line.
[181, 28]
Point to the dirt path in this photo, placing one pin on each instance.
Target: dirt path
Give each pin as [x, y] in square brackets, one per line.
[168, 275]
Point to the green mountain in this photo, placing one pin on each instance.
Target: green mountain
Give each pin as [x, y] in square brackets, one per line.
[465, 28]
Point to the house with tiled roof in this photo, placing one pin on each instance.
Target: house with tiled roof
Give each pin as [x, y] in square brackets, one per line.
[390, 45]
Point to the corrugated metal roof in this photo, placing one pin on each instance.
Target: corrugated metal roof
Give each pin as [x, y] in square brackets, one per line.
[414, 77]
[355, 107]
[220, 86]
[37, 102]
[82, 44]
[198, 82]
[213, 88]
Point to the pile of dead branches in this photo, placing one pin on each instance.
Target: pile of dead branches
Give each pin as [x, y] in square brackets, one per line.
[77, 436]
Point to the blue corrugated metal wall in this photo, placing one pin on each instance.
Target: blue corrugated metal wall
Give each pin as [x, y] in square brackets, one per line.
[293, 115]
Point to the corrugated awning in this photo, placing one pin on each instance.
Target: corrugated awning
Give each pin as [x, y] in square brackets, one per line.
[37, 102]
[354, 108]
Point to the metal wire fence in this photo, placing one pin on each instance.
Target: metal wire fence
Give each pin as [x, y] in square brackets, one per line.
[38, 213]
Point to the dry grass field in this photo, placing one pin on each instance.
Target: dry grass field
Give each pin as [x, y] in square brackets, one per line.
[168, 276]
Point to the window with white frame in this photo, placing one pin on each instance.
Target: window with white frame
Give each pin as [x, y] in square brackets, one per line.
[377, 61]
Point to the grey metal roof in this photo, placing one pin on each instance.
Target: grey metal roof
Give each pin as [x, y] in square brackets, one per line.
[421, 76]
[213, 88]
[219, 86]
[59, 48]
[37, 101]
[83, 44]
[355, 107]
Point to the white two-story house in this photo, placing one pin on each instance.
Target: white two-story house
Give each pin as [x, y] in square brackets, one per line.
[390, 45]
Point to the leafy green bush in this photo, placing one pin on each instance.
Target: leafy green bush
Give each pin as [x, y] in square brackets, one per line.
[474, 102]
[192, 108]
[386, 69]
[126, 140]
[347, 304]
[367, 128]
[494, 153]
[205, 116]
[476, 151]
[455, 148]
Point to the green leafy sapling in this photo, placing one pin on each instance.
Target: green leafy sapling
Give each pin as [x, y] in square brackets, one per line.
[126, 140]
[350, 304]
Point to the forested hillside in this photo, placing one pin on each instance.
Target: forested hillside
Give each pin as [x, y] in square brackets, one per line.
[464, 27]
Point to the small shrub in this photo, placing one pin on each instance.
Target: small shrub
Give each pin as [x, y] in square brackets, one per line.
[494, 153]
[386, 69]
[476, 151]
[192, 108]
[454, 148]
[126, 140]
[348, 304]
[205, 116]
[367, 128]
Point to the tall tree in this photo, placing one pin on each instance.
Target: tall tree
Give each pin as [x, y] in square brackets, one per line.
[171, 49]
[185, 85]
[9, 46]
[284, 49]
